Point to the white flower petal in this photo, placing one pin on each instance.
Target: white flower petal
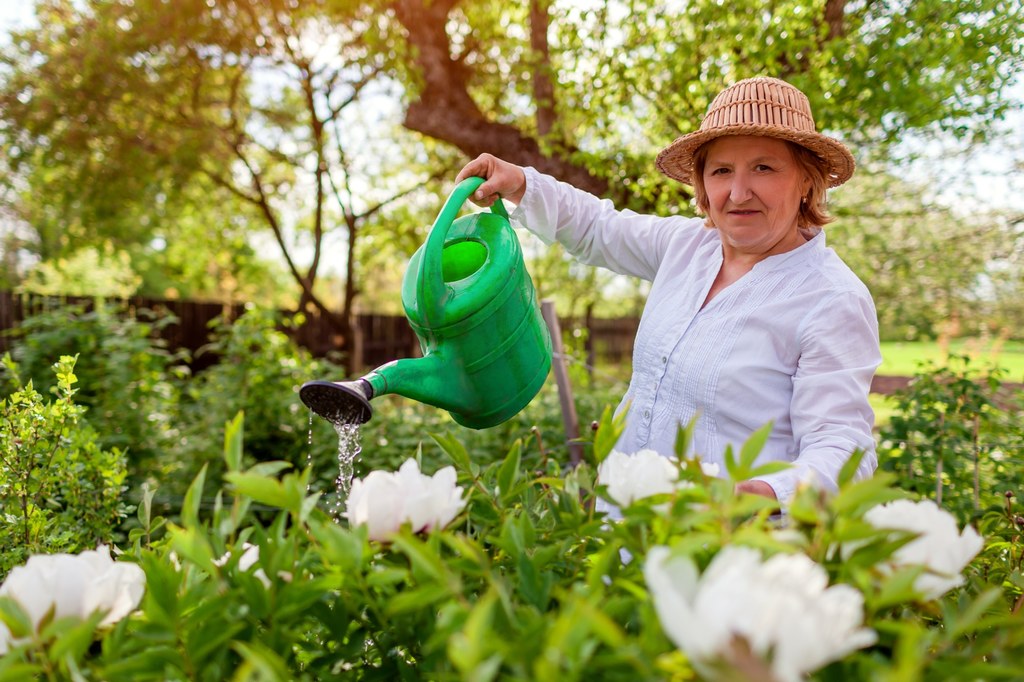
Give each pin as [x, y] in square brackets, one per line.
[385, 500]
[75, 586]
[629, 478]
[782, 608]
[941, 548]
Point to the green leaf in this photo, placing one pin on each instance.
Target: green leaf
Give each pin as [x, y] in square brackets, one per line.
[417, 599]
[14, 617]
[753, 447]
[269, 468]
[259, 488]
[897, 588]
[193, 500]
[340, 547]
[509, 471]
[261, 660]
[71, 637]
[234, 432]
[420, 556]
[467, 549]
[849, 469]
[609, 430]
[962, 621]
[308, 505]
[471, 648]
[457, 452]
[190, 544]
[684, 435]
[533, 585]
[870, 492]
[143, 664]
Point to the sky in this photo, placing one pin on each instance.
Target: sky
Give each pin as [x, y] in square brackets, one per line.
[14, 14]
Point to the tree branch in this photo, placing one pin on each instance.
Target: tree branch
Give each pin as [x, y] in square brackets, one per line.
[446, 111]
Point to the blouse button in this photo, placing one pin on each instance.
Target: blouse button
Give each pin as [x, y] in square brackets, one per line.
[647, 414]
[664, 359]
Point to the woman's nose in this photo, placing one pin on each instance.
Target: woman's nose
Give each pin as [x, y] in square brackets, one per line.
[740, 189]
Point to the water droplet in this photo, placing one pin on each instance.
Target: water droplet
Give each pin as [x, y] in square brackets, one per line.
[309, 452]
[348, 450]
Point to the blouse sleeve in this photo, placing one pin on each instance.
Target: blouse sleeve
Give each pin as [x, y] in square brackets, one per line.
[830, 413]
[593, 231]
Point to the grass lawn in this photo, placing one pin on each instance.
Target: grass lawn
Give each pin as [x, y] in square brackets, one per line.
[903, 358]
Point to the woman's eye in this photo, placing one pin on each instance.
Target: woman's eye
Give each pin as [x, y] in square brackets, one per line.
[763, 167]
[719, 171]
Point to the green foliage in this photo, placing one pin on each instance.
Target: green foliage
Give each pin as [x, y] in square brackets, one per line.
[952, 439]
[527, 583]
[909, 251]
[127, 376]
[259, 371]
[87, 272]
[121, 119]
[59, 490]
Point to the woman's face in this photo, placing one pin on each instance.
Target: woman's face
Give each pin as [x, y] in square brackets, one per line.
[754, 187]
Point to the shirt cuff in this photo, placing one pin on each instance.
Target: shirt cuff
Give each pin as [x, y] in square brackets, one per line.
[530, 211]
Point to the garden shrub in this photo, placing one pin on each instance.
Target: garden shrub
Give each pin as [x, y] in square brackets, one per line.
[128, 379]
[258, 372]
[955, 437]
[528, 582]
[60, 491]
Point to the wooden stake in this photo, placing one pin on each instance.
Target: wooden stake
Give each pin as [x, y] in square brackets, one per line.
[565, 397]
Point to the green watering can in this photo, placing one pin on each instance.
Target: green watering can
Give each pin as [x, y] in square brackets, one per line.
[471, 302]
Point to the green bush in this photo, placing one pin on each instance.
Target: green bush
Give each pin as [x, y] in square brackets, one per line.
[129, 381]
[954, 436]
[60, 491]
[259, 371]
[527, 583]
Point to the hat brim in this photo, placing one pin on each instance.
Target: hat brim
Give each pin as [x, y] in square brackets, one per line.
[676, 160]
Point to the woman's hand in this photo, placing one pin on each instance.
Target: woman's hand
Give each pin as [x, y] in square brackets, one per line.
[502, 180]
[756, 488]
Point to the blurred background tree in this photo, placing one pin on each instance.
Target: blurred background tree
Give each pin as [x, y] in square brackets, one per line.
[200, 135]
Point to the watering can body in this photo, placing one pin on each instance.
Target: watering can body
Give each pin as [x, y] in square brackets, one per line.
[471, 302]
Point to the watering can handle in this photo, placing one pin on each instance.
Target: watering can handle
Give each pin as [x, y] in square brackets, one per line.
[432, 293]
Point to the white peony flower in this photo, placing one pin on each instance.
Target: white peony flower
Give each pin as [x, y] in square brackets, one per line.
[250, 557]
[781, 611]
[384, 500]
[940, 546]
[74, 585]
[633, 477]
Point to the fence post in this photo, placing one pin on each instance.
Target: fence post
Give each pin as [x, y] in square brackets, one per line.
[569, 419]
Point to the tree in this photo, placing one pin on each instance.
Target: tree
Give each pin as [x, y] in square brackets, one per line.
[275, 103]
[590, 92]
[256, 99]
[926, 265]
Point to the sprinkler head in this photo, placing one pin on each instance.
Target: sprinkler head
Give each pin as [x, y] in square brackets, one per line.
[339, 402]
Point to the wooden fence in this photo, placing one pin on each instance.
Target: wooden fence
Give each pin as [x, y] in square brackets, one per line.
[378, 338]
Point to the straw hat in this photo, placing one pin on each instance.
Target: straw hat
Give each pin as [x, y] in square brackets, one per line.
[759, 106]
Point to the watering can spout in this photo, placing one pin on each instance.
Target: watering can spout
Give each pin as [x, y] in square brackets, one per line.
[471, 303]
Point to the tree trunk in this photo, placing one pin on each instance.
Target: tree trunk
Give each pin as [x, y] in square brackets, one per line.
[446, 111]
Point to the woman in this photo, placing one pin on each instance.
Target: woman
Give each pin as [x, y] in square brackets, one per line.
[750, 319]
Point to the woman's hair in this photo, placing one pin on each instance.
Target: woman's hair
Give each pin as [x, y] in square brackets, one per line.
[813, 212]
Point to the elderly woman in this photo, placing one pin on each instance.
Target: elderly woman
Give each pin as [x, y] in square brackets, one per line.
[751, 318]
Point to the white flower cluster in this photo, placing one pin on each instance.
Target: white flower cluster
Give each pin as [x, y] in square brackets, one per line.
[941, 548]
[73, 585]
[629, 478]
[385, 500]
[780, 610]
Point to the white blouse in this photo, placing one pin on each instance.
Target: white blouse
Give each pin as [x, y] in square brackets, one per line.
[793, 342]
